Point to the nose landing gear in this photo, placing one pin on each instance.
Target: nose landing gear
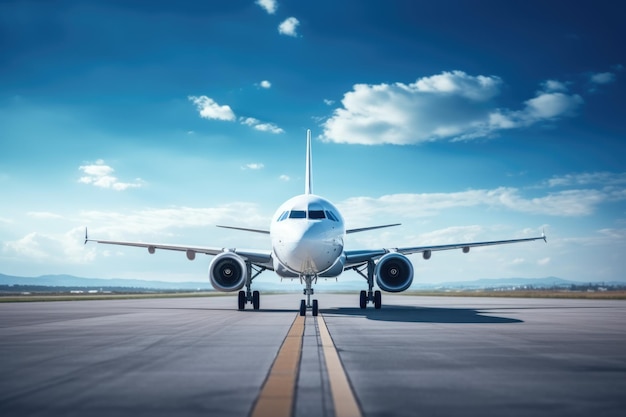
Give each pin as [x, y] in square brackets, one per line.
[308, 291]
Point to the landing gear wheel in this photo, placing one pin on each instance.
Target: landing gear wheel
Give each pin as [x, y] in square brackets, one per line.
[241, 300]
[302, 308]
[363, 299]
[256, 300]
[315, 308]
[377, 300]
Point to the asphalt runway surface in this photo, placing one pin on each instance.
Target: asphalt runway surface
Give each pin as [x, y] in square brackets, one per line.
[429, 356]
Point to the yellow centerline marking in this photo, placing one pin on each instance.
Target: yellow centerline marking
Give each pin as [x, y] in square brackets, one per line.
[278, 391]
[341, 391]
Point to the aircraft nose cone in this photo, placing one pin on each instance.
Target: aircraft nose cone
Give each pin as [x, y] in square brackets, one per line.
[309, 251]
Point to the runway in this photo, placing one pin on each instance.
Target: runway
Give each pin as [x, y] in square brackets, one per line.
[432, 356]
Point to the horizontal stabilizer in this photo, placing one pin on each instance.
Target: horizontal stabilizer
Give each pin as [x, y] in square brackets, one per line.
[365, 229]
[245, 229]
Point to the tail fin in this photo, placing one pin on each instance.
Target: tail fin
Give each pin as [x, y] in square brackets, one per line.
[309, 168]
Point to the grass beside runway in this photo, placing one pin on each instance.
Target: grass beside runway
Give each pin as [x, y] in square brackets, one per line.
[595, 295]
[18, 298]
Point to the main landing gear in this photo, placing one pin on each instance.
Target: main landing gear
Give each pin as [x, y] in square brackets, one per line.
[369, 295]
[245, 296]
[248, 296]
[308, 291]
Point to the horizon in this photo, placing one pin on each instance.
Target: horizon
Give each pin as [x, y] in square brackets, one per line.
[326, 283]
[457, 121]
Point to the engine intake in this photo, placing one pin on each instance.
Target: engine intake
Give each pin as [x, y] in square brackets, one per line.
[228, 272]
[394, 272]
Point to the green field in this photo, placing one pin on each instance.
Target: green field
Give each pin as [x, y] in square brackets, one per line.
[14, 298]
[595, 295]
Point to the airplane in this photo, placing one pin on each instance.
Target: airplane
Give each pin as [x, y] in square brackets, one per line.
[307, 235]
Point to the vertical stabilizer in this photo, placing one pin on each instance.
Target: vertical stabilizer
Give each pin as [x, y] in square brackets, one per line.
[308, 179]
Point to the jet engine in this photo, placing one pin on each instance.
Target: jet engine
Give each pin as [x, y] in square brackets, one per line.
[394, 272]
[228, 272]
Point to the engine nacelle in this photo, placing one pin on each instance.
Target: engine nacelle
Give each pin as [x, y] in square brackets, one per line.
[394, 272]
[228, 272]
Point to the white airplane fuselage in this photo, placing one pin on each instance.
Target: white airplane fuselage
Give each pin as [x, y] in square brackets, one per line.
[307, 234]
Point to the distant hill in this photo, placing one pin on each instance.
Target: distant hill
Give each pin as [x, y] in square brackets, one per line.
[81, 283]
[72, 281]
[505, 282]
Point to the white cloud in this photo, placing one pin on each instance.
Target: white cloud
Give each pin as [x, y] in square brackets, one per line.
[209, 109]
[265, 84]
[602, 178]
[451, 105]
[249, 121]
[100, 175]
[269, 6]
[269, 127]
[568, 203]
[258, 125]
[549, 106]
[552, 85]
[452, 234]
[254, 166]
[284, 178]
[44, 215]
[479, 88]
[99, 169]
[602, 78]
[149, 223]
[543, 261]
[289, 27]
[329, 102]
[51, 248]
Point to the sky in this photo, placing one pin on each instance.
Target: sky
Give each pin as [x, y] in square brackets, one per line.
[463, 120]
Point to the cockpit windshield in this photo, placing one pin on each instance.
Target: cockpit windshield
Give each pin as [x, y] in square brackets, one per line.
[314, 212]
[331, 216]
[311, 214]
[297, 214]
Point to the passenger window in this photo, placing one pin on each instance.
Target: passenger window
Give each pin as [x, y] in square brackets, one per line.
[297, 214]
[316, 214]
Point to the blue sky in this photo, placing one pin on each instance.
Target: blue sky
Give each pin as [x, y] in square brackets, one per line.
[157, 120]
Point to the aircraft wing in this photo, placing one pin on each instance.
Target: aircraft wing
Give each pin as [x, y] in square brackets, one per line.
[260, 258]
[357, 257]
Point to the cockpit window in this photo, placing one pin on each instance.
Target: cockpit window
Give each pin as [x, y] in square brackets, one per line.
[313, 213]
[331, 216]
[297, 214]
[316, 214]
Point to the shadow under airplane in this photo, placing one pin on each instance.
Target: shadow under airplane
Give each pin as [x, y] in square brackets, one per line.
[411, 314]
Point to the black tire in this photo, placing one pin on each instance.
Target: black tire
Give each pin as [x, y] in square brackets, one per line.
[241, 300]
[256, 300]
[302, 308]
[363, 299]
[377, 300]
[315, 308]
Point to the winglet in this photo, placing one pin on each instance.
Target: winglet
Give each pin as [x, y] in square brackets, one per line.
[308, 179]
[86, 238]
[543, 235]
